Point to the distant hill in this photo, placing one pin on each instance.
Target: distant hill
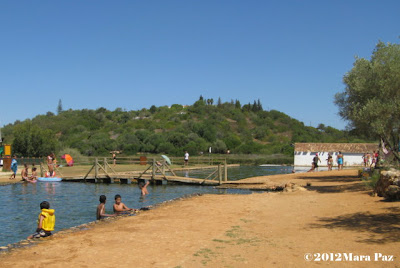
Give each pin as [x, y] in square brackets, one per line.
[244, 129]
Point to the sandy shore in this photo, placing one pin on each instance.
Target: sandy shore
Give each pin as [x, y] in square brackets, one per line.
[334, 215]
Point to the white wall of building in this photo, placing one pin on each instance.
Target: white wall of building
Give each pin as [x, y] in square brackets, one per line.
[304, 159]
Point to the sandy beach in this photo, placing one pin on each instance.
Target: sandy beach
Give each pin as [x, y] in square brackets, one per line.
[336, 214]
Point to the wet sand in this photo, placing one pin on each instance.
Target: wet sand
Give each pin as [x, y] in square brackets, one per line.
[336, 214]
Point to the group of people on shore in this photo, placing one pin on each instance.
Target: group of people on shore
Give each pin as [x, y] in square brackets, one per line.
[25, 171]
[316, 159]
[51, 163]
[370, 159]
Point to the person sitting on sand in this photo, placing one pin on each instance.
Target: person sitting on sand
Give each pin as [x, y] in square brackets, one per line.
[142, 184]
[33, 176]
[24, 173]
[119, 207]
[46, 221]
[14, 167]
[101, 209]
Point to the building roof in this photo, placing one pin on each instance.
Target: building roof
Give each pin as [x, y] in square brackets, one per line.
[336, 147]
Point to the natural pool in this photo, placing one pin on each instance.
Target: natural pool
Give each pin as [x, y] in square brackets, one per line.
[75, 203]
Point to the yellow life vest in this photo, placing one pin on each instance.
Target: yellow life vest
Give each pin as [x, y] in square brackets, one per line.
[49, 219]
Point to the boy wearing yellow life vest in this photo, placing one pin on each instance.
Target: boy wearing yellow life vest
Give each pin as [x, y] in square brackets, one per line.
[46, 221]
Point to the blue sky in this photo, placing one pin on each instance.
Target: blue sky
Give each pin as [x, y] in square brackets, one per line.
[291, 55]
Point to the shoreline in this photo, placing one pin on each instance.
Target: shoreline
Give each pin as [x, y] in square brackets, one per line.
[334, 214]
[86, 226]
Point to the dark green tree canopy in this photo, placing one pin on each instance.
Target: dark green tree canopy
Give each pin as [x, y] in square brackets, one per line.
[168, 130]
[371, 100]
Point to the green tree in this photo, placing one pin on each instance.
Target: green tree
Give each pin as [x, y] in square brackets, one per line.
[59, 107]
[30, 140]
[371, 100]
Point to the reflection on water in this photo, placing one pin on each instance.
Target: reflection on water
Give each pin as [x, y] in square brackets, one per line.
[75, 203]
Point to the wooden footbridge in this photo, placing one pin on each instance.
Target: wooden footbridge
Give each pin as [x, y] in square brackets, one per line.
[157, 173]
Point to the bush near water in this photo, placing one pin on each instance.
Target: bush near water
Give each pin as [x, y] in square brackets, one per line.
[241, 129]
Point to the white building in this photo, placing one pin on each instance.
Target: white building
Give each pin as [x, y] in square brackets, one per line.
[352, 153]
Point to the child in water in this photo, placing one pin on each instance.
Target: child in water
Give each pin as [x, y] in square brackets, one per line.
[101, 208]
[142, 184]
[119, 207]
[33, 177]
[46, 221]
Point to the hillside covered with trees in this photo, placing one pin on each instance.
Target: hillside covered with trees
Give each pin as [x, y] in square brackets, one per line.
[242, 129]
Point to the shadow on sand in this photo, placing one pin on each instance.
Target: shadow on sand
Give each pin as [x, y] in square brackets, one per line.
[341, 184]
[382, 228]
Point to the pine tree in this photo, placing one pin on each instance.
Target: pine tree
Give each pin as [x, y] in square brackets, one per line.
[259, 105]
[59, 107]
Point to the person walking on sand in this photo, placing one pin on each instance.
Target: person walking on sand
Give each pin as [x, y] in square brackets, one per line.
[186, 158]
[330, 161]
[315, 161]
[14, 167]
[340, 160]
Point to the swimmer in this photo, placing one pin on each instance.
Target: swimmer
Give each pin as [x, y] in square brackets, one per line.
[143, 186]
[101, 209]
[119, 207]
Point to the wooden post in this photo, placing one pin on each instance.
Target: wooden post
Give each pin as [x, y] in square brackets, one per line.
[225, 171]
[153, 172]
[105, 164]
[219, 174]
[96, 168]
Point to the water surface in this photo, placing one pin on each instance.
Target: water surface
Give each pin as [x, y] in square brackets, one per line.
[75, 203]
